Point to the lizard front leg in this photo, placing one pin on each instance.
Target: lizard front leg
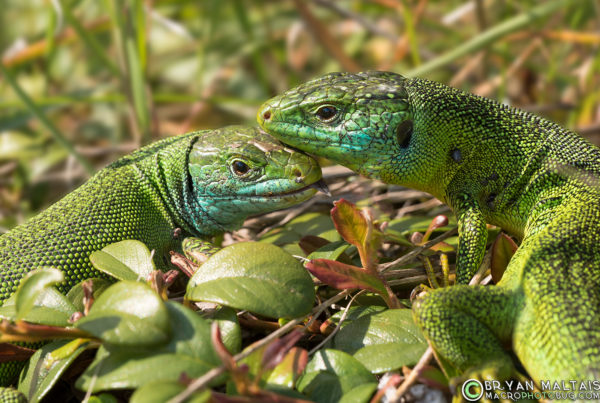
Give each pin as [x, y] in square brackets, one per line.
[472, 238]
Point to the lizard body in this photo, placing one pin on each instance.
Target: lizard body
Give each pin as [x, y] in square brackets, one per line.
[490, 163]
[193, 185]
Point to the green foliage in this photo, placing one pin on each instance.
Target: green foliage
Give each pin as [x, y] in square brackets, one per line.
[259, 277]
[134, 329]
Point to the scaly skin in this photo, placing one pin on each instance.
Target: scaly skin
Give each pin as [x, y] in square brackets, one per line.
[492, 164]
[188, 185]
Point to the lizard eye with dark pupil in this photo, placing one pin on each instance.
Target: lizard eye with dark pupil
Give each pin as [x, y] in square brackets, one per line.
[326, 112]
[240, 168]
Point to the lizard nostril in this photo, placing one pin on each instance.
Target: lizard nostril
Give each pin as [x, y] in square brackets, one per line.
[299, 176]
[266, 115]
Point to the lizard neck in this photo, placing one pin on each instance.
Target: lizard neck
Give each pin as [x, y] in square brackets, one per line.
[493, 153]
[165, 166]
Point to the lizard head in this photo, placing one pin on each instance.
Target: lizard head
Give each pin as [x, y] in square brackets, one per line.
[239, 171]
[362, 121]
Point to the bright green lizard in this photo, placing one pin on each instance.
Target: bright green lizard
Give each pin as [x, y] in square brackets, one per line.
[492, 164]
[198, 184]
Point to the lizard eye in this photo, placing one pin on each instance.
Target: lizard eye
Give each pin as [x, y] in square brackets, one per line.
[327, 112]
[240, 168]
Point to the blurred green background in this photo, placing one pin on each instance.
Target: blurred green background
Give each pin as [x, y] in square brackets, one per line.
[84, 82]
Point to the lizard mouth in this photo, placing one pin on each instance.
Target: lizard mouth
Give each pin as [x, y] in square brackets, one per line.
[319, 186]
[302, 137]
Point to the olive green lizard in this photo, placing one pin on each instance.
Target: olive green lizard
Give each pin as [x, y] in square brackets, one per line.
[194, 185]
[490, 163]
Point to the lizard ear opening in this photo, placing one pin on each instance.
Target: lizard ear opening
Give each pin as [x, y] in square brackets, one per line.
[404, 133]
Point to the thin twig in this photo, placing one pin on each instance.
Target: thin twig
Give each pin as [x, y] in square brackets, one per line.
[338, 326]
[414, 375]
[415, 252]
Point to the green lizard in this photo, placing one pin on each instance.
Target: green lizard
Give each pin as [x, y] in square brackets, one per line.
[197, 184]
[492, 164]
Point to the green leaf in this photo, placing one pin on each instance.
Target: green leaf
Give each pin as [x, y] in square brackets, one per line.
[380, 358]
[50, 308]
[331, 251]
[259, 277]
[231, 332]
[382, 341]
[356, 312]
[32, 286]
[331, 374]
[288, 370]
[284, 374]
[189, 350]
[44, 370]
[128, 313]
[360, 394]
[126, 260]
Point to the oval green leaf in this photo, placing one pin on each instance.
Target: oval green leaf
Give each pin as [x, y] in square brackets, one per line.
[128, 314]
[255, 276]
[360, 394]
[126, 260]
[231, 332]
[331, 251]
[383, 341]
